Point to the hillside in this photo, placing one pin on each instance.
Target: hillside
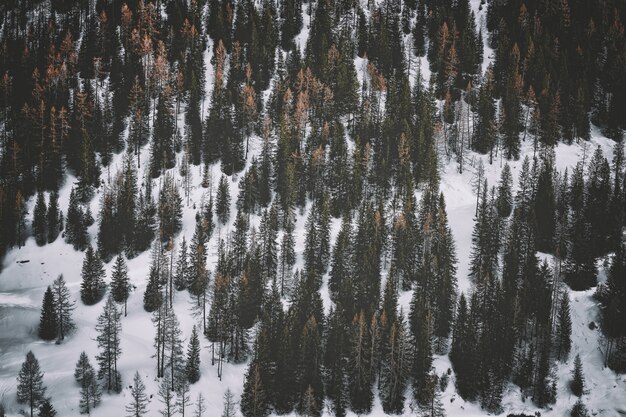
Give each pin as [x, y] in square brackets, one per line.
[341, 136]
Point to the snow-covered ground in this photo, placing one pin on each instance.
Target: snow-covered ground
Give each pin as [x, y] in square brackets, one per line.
[29, 270]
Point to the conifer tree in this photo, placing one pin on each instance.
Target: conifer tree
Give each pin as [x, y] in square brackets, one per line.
[229, 404]
[166, 396]
[90, 392]
[564, 329]
[48, 326]
[192, 365]
[92, 287]
[153, 297]
[200, 406]
[577, 384]
[54, 217]
[504, 200]
[579, 409]
[109, 327]
[120, 286]
[138, 406]
[64, 308]
[30, 388]
[182, 268]
[254, 402]
[40, 227]
[222, 205]
[45, 409]
[75, 225]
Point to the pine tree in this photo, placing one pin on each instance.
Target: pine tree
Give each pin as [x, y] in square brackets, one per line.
[182, 268]
[45, 409]
[48, 326]
[169, 210]
[173, 355]
[83, 370]
[75, 225]
[222, 205]
[64, 308]
[166, 396]
[120, 286]
[192, 365]
[109, 327]
[504, 200]
[30, 388]
[579, 409]
[40, 227]
[577, 384]
[92, 287]
[153, 297]
[90, 392]
[200, 406]
[138, 406]
[54, 217]
[254, 402]
[229, 404]
[564, 329]
[182, 396]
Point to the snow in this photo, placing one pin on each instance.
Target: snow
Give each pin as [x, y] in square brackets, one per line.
[22, 285]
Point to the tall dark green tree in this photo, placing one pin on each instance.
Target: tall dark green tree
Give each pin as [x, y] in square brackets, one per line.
[48, 326]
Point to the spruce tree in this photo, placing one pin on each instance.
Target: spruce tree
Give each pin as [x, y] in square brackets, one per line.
[182, 267]
[153, 297]
[192, 365]
[579, 409]
[577, 384]
[45, 409]
[504, 200]
[40, 227]
[254, 402]
[90, 392]
[75, 225]
[92, 287]
[138, 406]
[64, 308]
[222, 205]
[30, 388]
[109, 327]
[48, 326]
[53, 217]
[564, 328]
[120, 286]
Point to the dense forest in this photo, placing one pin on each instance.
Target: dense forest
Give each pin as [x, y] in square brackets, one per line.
[338, 114]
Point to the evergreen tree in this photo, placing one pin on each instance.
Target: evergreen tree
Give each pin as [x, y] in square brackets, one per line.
[109, 327]
[153, 297]
[579, 409]
[90, 392]
[30, 388]
[577, 384]
[254, 402]
[182, 268]
[64, 308]
[504, 200]
[75, 225]
[222, 205]
[45, 409]
[120, 286]
[138, 406]
[564, 329]
[169, 210]
[54, 217]
[40, 227]
[192, 365]
[92, 287]
[48, 326]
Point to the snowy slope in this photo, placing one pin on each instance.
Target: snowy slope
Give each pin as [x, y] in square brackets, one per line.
[28, 271]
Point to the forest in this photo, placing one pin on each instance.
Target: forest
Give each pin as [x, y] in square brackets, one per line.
[260, 190]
